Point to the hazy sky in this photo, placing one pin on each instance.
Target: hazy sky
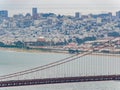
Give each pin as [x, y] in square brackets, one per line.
[60, 6]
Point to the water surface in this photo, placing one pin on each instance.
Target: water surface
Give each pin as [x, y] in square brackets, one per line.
[11, 62]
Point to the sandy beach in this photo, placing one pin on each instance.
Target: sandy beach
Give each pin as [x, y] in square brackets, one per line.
[30, 50]
[23, 50]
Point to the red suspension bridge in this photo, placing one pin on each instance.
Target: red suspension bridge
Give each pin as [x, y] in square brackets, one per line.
[75, 68]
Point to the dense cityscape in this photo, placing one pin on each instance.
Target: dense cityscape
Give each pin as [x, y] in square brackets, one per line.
[48, 30]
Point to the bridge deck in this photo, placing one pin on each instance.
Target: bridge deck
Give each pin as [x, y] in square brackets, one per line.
[58, 80]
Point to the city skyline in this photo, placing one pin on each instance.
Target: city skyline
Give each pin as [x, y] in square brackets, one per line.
[60, 7]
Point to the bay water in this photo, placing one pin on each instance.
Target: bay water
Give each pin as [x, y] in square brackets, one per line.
[12, 61]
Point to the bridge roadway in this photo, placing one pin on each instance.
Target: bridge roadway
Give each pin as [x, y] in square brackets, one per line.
[58, 80]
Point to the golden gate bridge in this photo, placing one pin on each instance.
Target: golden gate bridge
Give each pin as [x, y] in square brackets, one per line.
[68, 70]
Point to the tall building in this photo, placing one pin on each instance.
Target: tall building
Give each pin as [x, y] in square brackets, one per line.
[110, 14]
[118, 14]
[77, 15]
[34, 13]
[4, 13]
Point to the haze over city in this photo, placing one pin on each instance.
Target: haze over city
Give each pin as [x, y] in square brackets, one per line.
[59, 44]
[60, 6]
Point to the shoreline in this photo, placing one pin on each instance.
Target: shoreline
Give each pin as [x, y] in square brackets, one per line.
[23, 50]
[106, 54]
[48, 51]
[30, 50]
